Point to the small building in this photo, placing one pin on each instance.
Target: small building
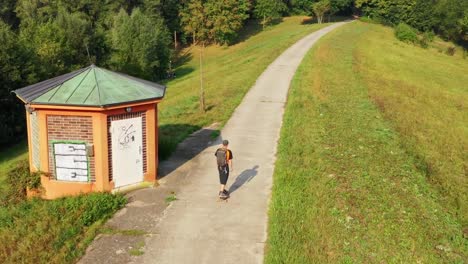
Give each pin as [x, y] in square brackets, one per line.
[92, 130]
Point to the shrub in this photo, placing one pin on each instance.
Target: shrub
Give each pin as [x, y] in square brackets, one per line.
[369, 20]
[450, 51]
[58, 231]
[426, 38]
[406, 33]
[19, 179]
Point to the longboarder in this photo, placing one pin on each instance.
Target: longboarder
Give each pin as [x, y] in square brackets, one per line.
[224, 163]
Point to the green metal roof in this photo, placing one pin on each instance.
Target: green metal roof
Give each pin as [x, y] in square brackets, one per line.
[91, 86]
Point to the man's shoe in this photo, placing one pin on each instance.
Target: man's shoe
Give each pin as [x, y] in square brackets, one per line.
[222, 195]
[226, 192]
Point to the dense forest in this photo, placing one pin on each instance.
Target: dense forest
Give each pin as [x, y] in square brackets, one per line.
[41, 39]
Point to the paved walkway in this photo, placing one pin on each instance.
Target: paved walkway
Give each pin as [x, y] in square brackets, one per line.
[197, 228]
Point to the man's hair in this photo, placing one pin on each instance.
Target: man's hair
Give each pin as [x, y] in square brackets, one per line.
[225, 142]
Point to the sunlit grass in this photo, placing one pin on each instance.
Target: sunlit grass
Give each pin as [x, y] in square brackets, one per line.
[58, 231]
[347, 189]
[424, 94]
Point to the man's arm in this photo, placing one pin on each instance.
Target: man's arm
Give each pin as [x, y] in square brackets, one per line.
[230, 161]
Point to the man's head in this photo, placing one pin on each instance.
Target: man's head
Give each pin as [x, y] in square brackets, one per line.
[225, 143]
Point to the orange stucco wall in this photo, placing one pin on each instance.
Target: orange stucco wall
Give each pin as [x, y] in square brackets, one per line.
[54, 188]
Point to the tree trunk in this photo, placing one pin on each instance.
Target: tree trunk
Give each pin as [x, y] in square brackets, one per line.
[175, 40]
[202, 90]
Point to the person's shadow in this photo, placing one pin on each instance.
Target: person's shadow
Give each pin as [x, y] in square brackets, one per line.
[244, 177]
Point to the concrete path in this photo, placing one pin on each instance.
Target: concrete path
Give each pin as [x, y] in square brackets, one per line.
[197, 228]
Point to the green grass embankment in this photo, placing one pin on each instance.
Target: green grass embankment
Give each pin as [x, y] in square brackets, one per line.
[348, 187]
[424, 95]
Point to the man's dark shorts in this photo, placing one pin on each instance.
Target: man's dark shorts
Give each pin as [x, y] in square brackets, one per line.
[223, 174]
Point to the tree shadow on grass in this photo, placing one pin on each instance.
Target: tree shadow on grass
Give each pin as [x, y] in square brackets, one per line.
[182, 71]
[252, 28]
[326, 19]
[179, 143]
[244, 177]
[182, 57]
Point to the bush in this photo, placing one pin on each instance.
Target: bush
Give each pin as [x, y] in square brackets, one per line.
[450, 51]
[426, 38]
[369, 20]
[58, 231]
[19, 179]
[406, 33]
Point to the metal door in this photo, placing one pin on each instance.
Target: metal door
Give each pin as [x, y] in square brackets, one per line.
[127, 151]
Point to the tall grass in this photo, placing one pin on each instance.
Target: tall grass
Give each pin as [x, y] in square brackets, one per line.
[58, 231]
[346, 188]
[38, 231]
[8, 159]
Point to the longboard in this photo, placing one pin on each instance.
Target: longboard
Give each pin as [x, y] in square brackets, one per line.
[223, 199]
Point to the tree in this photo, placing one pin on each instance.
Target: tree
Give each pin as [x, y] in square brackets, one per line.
[226, 18]
[140, 45]
[450, 15]
[269, 10]
[7, 12]
[301, 7]
[320, 9]
[213, 21]
[337, 6]
[442, 16]
[416, 13]
[167, 9]
[194, 20]
[11, 114]
[463, 26]
[56, 43]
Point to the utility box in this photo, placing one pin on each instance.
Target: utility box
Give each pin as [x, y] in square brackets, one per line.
[92, 130]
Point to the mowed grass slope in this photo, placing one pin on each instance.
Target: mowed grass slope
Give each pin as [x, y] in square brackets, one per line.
[425, 96]
[347, 186]
[228, 73]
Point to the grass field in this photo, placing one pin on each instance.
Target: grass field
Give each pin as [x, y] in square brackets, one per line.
[356, 179]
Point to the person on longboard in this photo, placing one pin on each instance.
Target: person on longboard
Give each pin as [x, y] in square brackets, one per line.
[224, 163]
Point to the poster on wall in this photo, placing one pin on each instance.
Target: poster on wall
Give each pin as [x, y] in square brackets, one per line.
[71, 162]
